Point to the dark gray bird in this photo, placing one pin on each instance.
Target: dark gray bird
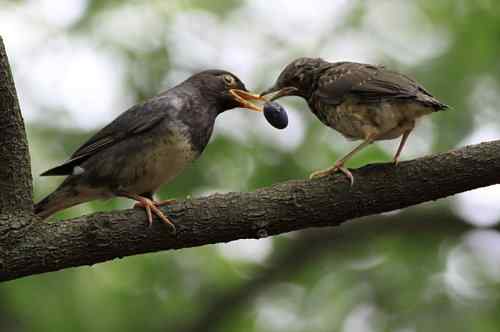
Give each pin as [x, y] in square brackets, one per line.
[148, 145]
[361, 101]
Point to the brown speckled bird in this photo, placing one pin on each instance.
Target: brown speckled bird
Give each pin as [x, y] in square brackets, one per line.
[361, 101]
[148, 145]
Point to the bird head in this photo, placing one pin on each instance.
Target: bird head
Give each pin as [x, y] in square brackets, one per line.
[226, 90]
[297, 79]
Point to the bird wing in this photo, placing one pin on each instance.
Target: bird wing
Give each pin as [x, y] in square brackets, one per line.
[134, 121]
[366, 83]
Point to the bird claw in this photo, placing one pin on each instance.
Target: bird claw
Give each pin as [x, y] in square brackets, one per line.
[166, 202]
[151, 208]
[160, 203]
[331, 170]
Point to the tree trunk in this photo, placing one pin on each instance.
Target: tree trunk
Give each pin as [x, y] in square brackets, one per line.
[15, 167]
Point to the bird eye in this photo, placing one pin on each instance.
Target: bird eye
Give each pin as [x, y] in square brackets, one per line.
[229, 80]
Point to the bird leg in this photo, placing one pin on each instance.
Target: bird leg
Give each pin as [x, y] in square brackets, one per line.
[339, 164]
[151, 207]
[404, 138]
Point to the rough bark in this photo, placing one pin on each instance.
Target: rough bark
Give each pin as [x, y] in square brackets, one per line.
[29, 246]
[15, 169]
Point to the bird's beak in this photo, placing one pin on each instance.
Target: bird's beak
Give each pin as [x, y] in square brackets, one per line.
[243, 97]
[275, 93]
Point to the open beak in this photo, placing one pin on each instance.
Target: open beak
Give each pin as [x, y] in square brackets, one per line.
[275, 93]
[243, 97]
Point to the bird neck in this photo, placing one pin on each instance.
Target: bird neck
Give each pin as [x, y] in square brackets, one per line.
[313, 80]
[201, 119]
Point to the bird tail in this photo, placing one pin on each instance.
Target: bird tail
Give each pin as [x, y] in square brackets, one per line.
[439, 106]
[62, 198]
[430, 101]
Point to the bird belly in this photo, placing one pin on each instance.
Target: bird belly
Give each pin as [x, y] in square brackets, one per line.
[162, 162]
[140, 164]
[384, 120]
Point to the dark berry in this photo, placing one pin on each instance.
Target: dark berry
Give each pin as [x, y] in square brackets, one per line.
[276, 115]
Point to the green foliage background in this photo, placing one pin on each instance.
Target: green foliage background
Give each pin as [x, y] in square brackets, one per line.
[425, 269]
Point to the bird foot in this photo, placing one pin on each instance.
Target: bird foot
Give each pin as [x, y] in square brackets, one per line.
[160, 203]
[152, 207]
[331, 170]
[166, 202]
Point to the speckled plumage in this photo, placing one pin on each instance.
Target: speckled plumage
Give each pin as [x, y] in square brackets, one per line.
[361, 101]
[146, 146]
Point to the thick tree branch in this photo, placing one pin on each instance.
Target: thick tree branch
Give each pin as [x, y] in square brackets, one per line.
[15, 167]
[281, 208]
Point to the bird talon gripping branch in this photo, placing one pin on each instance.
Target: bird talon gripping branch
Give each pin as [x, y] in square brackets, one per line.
[151, 207]
[332, 170]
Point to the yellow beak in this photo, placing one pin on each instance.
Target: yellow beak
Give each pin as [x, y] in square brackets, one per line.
[243, 98]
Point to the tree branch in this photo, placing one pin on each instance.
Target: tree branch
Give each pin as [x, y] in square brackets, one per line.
[281, 208]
